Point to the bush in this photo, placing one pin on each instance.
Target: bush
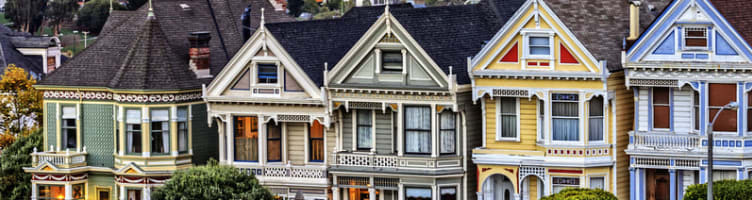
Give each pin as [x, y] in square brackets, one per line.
[581, 194]
[726, 189]
[14, 182]
[212, 182]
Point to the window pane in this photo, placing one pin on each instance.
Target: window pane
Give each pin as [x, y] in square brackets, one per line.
[539, 41]
[509, 106]
[246, 138]
[661, 117]
[721, 94]
[696, 99]
[447, 133]
[418, 118]
[160, 138]
[274, 141]
[160, 115]
[509, 126]
[447, 120]
[447, 141]
[392, 61]
[133, 138]
[364, 129]
[69, 112]
[182, 136]
[597, 183]
[566, 129]
[596, 106]
[541, 119]
[317, 142]
[540, 51]
[565, 109]
[660, 96]
[448, 193]
[595, 129]
[417, 193]
[418, 129]
[696, 42]
[133, 116]
[364, 117]
[267, 73]
[726, 120]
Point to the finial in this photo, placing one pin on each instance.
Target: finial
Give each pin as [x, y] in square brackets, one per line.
[151, 10]
[262, 16]
[386, 8]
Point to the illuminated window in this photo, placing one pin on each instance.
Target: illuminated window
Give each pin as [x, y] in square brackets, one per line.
[316, 138]
[246, 139]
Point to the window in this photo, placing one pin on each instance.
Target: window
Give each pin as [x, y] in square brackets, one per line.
[749, 111]
[696, 102]
[661, 108]
[418, 194]
[560, 183]
[160, 131]
[597, 183]
[391, 61]
[58, 192]
[267, 73]
[448, 193]
[133, 131]
[539, 46]
[246, 139]
[595, 121]
[418, 129]
[364, 129]
[719, 175]
[718, 96]
[447, 132]
[507, 118]
[317, 142]
[273, 142]
[541, 120]
[565, 117]
[133, 194]
[103, 194]
[183, 129]
[696, 37]
[69, 127]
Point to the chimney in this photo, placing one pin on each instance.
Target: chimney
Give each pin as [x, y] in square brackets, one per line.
[199, 53]
[245, 20]
[634, 20]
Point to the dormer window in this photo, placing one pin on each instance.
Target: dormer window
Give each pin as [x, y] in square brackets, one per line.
[696, 38]
[267, 74]
[539, 46]
[391, 61]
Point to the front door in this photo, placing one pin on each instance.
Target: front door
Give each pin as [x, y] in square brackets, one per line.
[658, 184]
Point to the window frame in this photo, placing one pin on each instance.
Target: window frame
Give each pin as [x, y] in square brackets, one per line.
[499, 128]
[429, 130]
[382, 66]
[130, 129]
[578, 117]
[235, 132]
[554, 185]
[257, 76]
[527, 34]
[541, 120]
[183, 132]
[64, 128]
[654, 105]
[454, 132]
[709, 109]
[370, 127]
[696, 111]
[152, 131]
[685, 36]
[602, 119]
[269, 139]
[311, 139]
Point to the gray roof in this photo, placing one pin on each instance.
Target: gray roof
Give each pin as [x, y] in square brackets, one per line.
[11, 40]
[133, 52]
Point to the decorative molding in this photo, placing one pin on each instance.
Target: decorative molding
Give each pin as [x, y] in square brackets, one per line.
[293, 118]
[654, 82]
[59, 177]
[511, 93]
[125, 98]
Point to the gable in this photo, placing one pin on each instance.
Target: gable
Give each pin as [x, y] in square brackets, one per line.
[535, 39]
[262, 69]
[690, 30]
[387, 56]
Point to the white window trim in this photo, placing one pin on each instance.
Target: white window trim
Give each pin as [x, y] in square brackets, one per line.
[598, 175]
[498, 121]
[683, 41]
[541, 132]
[526, 34]
[652, 108]
[255, 70]
[551, 182]
[580, 117]
[604, 120]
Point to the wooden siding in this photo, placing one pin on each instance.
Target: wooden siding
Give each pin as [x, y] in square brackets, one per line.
[331, 141]
[624, 116]
[205, 140]
[384, 132]
[683, 110]
[296, 143]
[473, 123]
[528, 126]
[347, 130]
[643, 117]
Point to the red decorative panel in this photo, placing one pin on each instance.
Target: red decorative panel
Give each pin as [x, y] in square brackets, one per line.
[512, 55]
[532, 63]
[544, 64]
[509, 170]
[565, 56]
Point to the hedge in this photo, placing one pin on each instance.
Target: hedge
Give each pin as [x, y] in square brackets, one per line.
[726, 189]
[581, 194]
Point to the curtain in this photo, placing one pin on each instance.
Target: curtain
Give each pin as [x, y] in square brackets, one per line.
[508, 117]
[448, 131]
[595, 122]
[364, 129]
[418, 193]
[565, 121]
[129, 139]
[165, 137]
[418, 129]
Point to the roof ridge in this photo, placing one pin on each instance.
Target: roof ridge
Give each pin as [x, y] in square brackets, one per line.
[128, 57]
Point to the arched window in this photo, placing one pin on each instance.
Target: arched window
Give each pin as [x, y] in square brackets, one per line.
[506, 195]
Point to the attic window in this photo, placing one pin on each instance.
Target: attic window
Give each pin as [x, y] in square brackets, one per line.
[696, 37]
[267, 74]
[391, 61]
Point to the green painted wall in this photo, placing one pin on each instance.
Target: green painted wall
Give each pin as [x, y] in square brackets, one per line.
[51, 125]
[98, 134]
[101, 181]
[205, 138]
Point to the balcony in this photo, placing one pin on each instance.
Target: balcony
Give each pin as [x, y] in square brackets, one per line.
[683, 143]
[286, 174]
[62, 159]
[390, 161]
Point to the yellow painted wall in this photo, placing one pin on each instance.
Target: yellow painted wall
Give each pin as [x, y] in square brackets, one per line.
[533, 187]
[528, 126]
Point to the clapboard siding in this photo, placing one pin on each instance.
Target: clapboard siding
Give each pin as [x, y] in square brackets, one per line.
[347, 130]
[383, 132]
[623, 112]
[296, 142]
[331, 141]
[683, 110]
[643, 108]
[528, 126]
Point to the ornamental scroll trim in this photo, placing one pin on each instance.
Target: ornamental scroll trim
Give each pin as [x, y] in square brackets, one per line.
[540, 172]
[293, 118]
[364, 105]
[654, 82]
[128, 98]
[510, 93]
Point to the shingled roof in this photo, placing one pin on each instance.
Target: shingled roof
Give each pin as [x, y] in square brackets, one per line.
[11, 40]
[602, 25]
[737, 13]
[124, 58]
[449, 34]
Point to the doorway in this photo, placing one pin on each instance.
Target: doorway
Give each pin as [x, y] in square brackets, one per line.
[658, 184]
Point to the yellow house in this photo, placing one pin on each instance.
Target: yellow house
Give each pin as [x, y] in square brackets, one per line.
[556, 112]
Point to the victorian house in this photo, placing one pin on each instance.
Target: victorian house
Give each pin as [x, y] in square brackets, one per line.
[691, 66]
[124, 114]
[555, 109]
[37, 55]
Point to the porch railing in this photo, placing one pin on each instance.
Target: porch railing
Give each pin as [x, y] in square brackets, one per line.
[287, 173]
[394, 161]
[61, 159]
[664, 141]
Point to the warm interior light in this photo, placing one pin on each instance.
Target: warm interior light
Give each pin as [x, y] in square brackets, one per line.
[61, 196]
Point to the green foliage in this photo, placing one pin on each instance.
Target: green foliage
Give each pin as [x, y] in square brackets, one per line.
[366, 2]
[211, 181]
[135, 4]
[334, 4]
[94, 14]
[311, 6]
[26, 15]
[326, 14]
[59, 11]
[295, 7]
[581, 194]
[726, 189]
[14, 182]
[23, 109]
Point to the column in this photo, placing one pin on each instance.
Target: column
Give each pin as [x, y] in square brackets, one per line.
[146, 193]
[145, 133]
[121, 131]
[335, 193]
[222, 148]
[401, 192]
[400, 130]
[230, 142]
[122, 192]
[434, 133]
[174, 130]
[371, 193]
[435, 193]
[262, 140]
[34, 192]
[68, 191]
[672, 184]
[632, 186]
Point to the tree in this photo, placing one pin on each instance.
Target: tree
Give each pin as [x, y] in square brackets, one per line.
[23, 103]
[14, 182]
[581, 194]
[725, 189]
[294, 7]
[211, 181]
[26, 15]
[311, 6]
[59, 11]
[93, 15]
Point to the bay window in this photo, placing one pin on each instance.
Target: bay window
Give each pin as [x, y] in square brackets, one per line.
[565, 117]
[418, 129]
[246, 139]
[182, 129]
[507, 113]
[58, 192]
[273, 142]
[447, 132]
[68, 126]
[595, 121]
[661, 108]
[364, 124]
[133, 130]
[160, 131]
[316, 137]
[718, 96]
[561, 183]
[418, 194]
